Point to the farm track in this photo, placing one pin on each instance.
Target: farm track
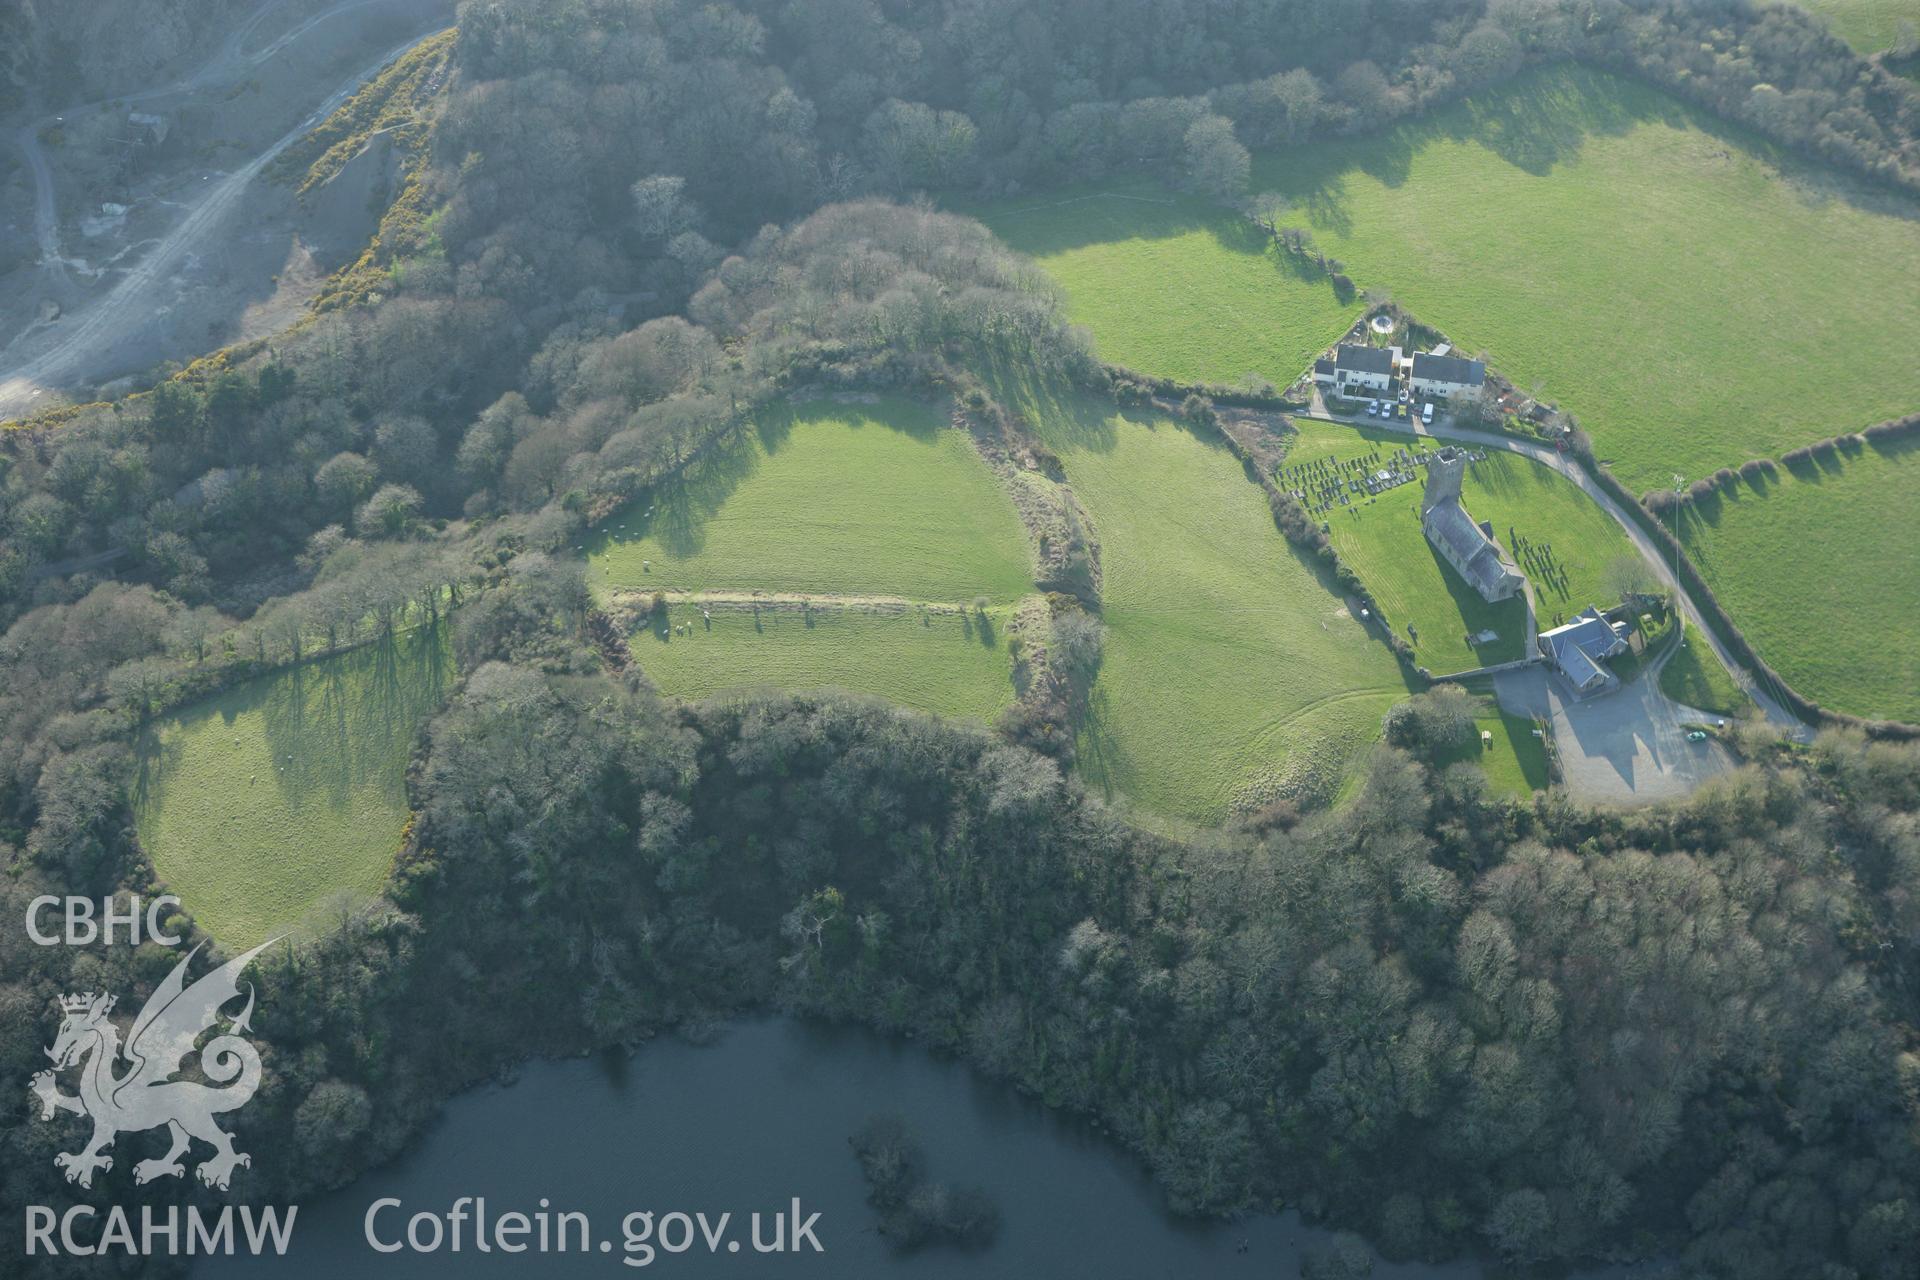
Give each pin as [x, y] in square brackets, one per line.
[126, 307]
[789, 600]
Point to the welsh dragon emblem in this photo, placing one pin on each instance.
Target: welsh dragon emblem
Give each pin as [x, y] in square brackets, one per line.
[145, 1095]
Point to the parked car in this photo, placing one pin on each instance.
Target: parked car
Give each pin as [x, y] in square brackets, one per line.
[1373, 408]
[1399, 411]
[1426, 413]
[1698, 735]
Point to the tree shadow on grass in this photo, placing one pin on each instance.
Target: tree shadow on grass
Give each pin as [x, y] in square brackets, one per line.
[1104, 217]
[1814, 468]
[1099, 757]
[1074, 218]
[330, 724]
[338, 723]
[154, 756]
[684, 506]
[1895, 447]
[1535, 123]
[1061, 416]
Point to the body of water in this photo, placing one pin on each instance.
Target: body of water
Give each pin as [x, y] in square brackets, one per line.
[748, 1124]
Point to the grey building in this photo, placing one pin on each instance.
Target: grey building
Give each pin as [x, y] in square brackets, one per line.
[1578, 649]
[1467, 546]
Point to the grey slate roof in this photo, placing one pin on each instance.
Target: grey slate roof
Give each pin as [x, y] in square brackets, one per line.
[1578, 646]
[1470, 373]
[1576, 665]
[1322, 366]
[1364, 359]
[1470, 551]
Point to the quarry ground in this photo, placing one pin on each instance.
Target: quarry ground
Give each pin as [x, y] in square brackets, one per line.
[124, 243]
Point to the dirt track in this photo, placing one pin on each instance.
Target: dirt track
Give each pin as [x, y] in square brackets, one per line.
[84, 346]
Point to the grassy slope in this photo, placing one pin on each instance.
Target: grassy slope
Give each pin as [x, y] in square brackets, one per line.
[1686, 292]
[1692, 301]
[1174, 286]
[833, 498]
[841, 500]
[945, 664]
[1867, 25]
[254, 842]
[1820, 571]
[1696, 678]
[1229, 667]
[1383, 541]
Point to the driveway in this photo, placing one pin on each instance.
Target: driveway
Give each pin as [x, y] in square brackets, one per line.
[1444, 429]
[1625, 747]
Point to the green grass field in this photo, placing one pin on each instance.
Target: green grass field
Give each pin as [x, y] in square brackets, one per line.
[844, 499]
[1683, 288]
[1695, 299]
[265, 804]
[1693, 296]
[1515, 761]
[1231, 673]
[1172, 285]
[1819, 570]
[1867, 25]
[946, 664]
[859, 505]
[1696, 678]
[1381, 538]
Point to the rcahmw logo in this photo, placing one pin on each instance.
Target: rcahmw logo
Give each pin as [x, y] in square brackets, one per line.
[145, 1095]
[168, 1230]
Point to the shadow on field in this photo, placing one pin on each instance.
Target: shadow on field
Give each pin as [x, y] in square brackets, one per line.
[334, 723]
[1536, 122]
[1099, 757]
[685, 504]
[1103, 216]
[329, 724]
[1507, 619]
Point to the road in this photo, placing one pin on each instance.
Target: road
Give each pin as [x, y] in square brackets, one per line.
[229, 64]
[144, 289]
[1642, 542]
[46, 216]
[1626, 747]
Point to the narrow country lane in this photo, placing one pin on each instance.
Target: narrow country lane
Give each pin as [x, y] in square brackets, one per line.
[1648, 549]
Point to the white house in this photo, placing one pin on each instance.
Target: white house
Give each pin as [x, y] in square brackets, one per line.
[1359, 371]
[1444, 377]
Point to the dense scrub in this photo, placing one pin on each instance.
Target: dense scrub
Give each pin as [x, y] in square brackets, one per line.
[1449, 1021]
